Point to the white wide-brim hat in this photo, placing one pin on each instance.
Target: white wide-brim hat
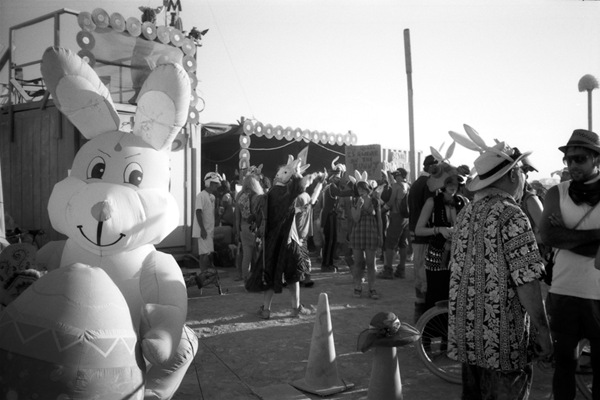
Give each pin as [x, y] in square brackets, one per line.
[493, 164]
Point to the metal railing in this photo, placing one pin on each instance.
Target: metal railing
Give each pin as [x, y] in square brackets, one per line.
[20, 90]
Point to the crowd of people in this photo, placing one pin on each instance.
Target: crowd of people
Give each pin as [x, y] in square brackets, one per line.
[482, 239]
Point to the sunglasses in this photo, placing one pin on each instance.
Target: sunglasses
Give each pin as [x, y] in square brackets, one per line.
[577, 159]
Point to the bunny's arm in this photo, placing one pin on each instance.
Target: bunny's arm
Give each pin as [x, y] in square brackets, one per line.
[48, 257]
[165, 306]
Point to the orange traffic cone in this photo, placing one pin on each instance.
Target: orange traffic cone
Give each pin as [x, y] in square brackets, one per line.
[321, 376]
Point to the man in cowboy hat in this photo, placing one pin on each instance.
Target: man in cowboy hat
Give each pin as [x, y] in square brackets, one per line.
[495, 270]
[571, 223]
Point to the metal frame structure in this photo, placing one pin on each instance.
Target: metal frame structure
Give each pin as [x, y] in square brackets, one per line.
[16, 92]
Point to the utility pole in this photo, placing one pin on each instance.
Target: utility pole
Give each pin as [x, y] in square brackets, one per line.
[411, 127]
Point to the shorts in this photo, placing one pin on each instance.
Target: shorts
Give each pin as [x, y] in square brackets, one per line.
[206, 246]
[574, 316]
[397, 234]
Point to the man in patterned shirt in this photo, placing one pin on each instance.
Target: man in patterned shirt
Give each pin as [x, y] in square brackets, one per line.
[494, 284]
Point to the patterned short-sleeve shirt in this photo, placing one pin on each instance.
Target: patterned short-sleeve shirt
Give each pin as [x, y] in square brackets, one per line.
[493, 252]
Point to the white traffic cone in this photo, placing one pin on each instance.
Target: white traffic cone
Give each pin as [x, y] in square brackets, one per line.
[385, 383]
[321, 376]
[384, 335]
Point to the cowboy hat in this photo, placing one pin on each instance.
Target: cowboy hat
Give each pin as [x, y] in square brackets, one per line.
[582, 138]
[386, 330]
[493, 164]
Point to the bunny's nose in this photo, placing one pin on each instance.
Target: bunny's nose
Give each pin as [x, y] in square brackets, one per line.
[101, 211]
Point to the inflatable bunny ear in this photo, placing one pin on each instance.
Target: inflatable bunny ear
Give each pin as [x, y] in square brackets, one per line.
[78, 92]
[163, 104]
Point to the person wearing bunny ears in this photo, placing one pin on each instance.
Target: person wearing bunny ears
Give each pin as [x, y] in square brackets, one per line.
[366, 235]
[437, 220]
[571, 225]
[286, 225]
[495, 276]
[247, 217]
[418, 194]
[204, 221]
[329, 212]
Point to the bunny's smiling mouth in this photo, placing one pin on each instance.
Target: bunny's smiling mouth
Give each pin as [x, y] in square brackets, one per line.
[99, 236]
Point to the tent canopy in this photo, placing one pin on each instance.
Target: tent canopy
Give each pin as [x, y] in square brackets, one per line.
[221, 151]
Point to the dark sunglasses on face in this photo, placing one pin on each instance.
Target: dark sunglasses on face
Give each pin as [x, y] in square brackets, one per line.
[577, 159]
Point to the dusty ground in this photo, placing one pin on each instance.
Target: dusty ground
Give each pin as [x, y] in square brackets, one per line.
[244, 357]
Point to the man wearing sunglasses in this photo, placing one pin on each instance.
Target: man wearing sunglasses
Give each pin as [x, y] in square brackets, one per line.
[571, 224]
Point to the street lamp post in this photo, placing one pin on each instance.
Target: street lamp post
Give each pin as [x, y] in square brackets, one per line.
[588, 83]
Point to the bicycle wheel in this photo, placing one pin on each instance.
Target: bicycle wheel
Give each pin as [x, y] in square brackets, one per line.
[583, 375]
[432, 347]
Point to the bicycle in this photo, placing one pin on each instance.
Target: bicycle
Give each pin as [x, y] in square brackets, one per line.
[432, 345]
[432, 350]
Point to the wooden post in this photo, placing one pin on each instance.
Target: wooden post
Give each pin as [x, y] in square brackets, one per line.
[411, 128]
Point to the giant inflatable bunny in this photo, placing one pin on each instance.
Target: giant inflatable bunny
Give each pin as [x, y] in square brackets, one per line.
[114, 207]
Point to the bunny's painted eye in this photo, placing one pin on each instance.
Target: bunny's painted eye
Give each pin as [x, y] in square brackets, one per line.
[133, 174]
[96, 168]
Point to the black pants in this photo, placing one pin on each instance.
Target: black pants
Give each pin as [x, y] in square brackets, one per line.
[329, 239]
[438, 286]
[572, 319]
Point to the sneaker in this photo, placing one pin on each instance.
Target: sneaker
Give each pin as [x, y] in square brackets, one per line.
[400, 273]
[264, 314]
[329, 268]
[373, 294]
[357, 292]
[301, 310]
[386, 274]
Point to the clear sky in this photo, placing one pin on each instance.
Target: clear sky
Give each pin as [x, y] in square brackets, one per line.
[510, 69]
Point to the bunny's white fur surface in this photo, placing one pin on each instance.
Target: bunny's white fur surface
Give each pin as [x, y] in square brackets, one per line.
[116, 205]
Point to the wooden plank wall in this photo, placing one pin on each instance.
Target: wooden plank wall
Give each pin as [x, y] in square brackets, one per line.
[33, 161]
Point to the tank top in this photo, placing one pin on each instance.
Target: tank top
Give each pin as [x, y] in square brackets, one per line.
[574, 274]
